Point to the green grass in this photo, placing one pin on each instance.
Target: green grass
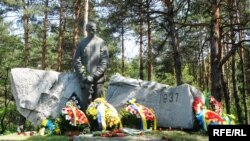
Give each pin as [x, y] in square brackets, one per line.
[15, 137]
[48, 138]
[174, 135]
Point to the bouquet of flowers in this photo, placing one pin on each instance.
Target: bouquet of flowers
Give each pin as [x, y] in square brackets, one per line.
[74, 115]
[214, 105]
[135, 113]
[74, 118]
[46, 127]
[102, 115]
[213, 116]
[71, 119]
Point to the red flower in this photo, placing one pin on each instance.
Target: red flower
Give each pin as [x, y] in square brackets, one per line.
[198, 105]
[214, 117]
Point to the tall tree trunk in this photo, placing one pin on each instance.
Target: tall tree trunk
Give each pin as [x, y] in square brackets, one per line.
[234, 20]
[193, 69]
[244, 89]
[226, 94]
[208, 72]
[244, 83]
[149, 61]
[215, 55]
[200, 79]
[61, 36]
[174, 43]
[201, 71]
[26, 32]
[234, 77]
[225, 84]
[76, 30]
[228, 76]
[141, 43]
[235, 91]
[45, 29]
[247, 71]
[203, 66]
[243, 70]
[85, 16]
[123, 50]
[204, 71]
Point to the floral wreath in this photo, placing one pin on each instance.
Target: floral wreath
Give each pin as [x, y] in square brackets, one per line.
[140, 111]
[74, 115]
[105, 114]
[71, 118]
[212, 116]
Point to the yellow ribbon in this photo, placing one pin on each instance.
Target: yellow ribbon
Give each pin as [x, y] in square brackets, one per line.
[144, 121]
[75, 116]
[73, 108]
[143, 118]
[155, 123]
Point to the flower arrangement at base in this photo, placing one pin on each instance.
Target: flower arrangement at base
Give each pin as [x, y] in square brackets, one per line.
[47, 127]
[102, 116]
[213, 116]
[137, 116]
[72, 118]
[214, 105]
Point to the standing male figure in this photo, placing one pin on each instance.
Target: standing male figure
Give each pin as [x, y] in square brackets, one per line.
[90, 63]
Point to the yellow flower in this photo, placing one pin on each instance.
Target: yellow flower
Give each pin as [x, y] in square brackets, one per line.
[57, 131]
[44, 122]
[111, 115]
[92, 111]
[100, 100]
[111, 124]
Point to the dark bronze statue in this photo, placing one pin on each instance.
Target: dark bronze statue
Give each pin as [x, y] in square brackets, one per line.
[90, 62]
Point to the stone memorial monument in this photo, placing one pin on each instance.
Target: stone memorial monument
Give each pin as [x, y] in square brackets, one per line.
[172, 105]
[40, 94]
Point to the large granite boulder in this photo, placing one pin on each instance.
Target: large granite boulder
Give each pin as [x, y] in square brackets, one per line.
[172, 105]
[40, 94]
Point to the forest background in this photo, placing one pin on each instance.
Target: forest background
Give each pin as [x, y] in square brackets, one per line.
[204, 43]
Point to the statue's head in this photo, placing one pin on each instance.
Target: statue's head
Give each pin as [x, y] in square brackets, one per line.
[91, 28]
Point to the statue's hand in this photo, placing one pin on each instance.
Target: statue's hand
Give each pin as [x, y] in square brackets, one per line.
[89, 80]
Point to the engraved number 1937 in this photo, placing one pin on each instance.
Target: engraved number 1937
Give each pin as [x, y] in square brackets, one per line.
[170, 97]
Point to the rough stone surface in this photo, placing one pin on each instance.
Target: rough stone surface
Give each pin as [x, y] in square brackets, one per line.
[172, 105]
[40, 94]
